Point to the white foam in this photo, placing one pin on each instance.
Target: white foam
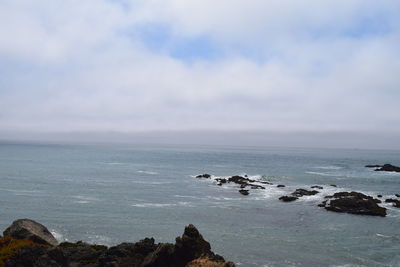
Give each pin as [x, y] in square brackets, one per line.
[57, 235]
[332, 167]
[322, 173]
[161, 205]
[148, 172]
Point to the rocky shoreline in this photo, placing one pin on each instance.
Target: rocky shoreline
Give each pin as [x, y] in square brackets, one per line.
[27, 243]
[345, 202]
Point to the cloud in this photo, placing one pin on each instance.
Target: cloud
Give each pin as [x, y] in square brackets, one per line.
[197, 65]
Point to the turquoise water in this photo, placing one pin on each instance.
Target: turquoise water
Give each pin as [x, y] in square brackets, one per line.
[108, 194]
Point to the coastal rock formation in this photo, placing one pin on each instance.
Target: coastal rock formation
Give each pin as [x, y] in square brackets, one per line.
[243, 182]
[298, 193]
[30, 230]
[386, 167]
[354, 203]
[189, 250]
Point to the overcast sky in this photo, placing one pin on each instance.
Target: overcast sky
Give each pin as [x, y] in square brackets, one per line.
[283, 66]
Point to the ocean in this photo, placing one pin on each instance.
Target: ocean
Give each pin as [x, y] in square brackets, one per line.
[108, 194]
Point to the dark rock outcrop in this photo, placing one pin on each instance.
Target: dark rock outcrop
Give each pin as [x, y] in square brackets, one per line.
[240, 180]
[189, 250]
[354, 203]
[389, 168]
[333, 185]
[205, 175]
[288, 198]
[30, 230]
[280, 185]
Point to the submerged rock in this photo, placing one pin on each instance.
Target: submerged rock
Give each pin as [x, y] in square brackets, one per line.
[303, 192]
[30, 230]
[288, 198]
[354, 203]
[244, 192]
[317, 187]
[333, 185]
[280, 185]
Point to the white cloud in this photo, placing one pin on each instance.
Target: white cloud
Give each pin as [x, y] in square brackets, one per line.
[72, 66]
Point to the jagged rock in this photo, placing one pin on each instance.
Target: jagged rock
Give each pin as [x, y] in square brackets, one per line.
[303, 192]
[354, 203]
[205, 175]
[397, 195]
[240, 180]
[145, 253]
[30, 230]
[288, 198]
[244, 192]
[389, 168]
[280, 185]
[317, 187]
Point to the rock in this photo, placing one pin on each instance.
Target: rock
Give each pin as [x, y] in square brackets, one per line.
[389, 168]
[206, 175]
[240, 180]
[373, 166]
[354, 203]
[333, 185]
[391, 200]
[317, 187]
[303, 192]
[30, 230]
[244, 192]
[379, 196]
[396, 204]
[288, 198]
[221, 180]
[280, 185]
[220, 184]
[190, 248]
[397, 195]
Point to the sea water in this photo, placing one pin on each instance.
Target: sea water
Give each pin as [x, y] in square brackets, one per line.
[108, 194]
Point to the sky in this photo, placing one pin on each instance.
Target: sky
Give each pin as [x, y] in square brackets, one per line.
[279, 67]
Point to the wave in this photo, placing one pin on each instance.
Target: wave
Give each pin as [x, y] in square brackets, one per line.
[332, 167]
[84, 199]
[322, 173]
[148, 172]
[161, 205]
[57, 235]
